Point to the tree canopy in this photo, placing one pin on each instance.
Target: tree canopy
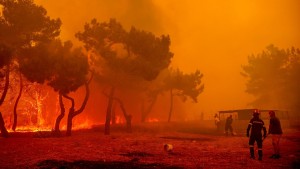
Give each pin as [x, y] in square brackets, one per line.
[62, 67]
[5, 57]
[272, 76]
[186, 85]
[178, 84]
[23, 24]
[124, 58]
[138, 53]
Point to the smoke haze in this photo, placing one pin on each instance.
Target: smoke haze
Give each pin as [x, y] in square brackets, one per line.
[213, 36]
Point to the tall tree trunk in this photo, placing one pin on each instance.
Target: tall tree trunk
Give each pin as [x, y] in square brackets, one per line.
[171, 105]
[108, 111]
[2, 124]
[69, 121]
[128, 117]
[61, 116]
[6, 85]
[113, 114]
[2, 127]
[145, 113]
[16, 103]
[73, 113]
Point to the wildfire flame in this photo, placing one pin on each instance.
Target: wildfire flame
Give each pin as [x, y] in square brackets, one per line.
[152, 120]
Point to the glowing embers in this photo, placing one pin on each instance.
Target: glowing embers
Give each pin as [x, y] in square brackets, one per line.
[79, 124]
[31, 129]
[31, 112]
[119, 120]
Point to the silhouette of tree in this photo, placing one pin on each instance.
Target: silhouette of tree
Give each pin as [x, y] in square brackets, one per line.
[23, 24]
[5, 59]
[272, 77]
[151, 98]
[63, 68]
[124, 57]
[293, 81]
[183, 85]
[70, 74]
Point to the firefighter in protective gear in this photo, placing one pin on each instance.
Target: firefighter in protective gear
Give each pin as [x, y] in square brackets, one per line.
[256, 125]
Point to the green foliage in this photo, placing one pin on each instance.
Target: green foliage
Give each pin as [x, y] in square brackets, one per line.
[186, 85]
[274, 73]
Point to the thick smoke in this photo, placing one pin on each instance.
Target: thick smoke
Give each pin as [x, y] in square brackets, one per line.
[213, 36]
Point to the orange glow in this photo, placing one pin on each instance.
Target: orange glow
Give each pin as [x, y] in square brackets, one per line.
[119, 120]
[30, 129]
[152, 120]
[213, 36]
[86, 124]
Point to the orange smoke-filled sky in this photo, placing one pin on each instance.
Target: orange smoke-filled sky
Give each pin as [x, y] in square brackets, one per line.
[214, 36]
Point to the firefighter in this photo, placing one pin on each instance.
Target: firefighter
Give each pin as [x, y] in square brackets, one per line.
[256, 125]
[228, 125]
[276, 131]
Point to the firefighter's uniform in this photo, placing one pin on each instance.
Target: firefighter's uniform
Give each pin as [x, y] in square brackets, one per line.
[256, 125]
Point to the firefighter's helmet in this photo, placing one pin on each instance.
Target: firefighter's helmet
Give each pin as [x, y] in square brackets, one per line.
[256, 112]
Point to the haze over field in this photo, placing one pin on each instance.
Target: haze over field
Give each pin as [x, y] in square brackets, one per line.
[213, 36]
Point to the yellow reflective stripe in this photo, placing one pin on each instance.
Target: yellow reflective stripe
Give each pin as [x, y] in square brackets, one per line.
[250, 123]
[251, 145]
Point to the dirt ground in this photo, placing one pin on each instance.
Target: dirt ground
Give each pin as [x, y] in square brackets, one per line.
[193, 147]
